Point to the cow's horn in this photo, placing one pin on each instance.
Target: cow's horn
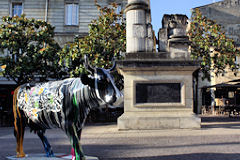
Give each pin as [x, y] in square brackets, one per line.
[87, 65]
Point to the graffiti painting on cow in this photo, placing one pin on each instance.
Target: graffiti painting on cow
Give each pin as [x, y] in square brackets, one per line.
[62, 104]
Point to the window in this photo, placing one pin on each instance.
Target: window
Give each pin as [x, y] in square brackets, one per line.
[119, 9]
[17, 9]
[71, 14]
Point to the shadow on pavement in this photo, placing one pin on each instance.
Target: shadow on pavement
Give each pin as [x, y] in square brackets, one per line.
[231, 126]
[220, 122]
[220, 119]
[121, 148]
[197, 156]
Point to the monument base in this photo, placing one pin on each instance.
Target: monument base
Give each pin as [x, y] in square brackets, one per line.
[158, 92]
[153, 120]
[43, 157]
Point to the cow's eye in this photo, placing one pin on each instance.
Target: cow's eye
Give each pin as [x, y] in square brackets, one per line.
[102, 79]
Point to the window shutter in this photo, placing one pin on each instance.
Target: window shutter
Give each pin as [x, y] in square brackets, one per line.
[70, 8]
[66, 14]
[73, 14]
[76, 15]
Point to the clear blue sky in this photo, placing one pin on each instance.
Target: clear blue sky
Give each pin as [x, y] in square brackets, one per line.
[161, 7]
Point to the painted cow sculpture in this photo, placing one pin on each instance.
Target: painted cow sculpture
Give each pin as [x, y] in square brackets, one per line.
[62, 104]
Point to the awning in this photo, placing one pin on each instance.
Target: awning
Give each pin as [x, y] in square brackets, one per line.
[222, 85]
[236, 80]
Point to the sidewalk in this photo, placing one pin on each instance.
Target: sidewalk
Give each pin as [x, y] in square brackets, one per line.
[219, 139]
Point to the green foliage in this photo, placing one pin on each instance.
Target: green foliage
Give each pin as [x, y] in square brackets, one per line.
[29, 50]
[106, 39]
[210, 44]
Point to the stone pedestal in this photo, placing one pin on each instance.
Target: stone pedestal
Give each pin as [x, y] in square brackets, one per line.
[158, 120]
[178, 48]
[158, 92]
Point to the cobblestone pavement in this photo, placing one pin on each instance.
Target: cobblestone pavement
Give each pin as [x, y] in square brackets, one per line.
[219, 139]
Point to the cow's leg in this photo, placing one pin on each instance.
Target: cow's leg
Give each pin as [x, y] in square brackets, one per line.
[19, 127]
[46, 145]
[73, 154]
[73, 151]
[74, 137]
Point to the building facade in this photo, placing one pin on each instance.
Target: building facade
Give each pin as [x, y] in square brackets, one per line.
[227, 14]
[172, 38]
[69, 17]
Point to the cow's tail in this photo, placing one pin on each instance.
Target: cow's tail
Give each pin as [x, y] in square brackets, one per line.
[16, 112]
[18, 125]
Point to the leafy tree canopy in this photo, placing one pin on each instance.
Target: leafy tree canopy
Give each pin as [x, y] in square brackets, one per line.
[106, 39]
[210, 44]
[29, 50]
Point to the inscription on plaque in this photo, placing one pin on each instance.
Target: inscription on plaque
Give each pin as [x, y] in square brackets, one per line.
[158, 93]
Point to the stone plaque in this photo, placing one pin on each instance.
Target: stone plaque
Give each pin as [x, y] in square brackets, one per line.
[158, 93]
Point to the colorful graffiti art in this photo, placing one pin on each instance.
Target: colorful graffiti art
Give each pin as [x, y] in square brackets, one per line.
[43, 96]
[64, 104]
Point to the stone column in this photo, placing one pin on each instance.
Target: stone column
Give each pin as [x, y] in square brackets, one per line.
[139, 28]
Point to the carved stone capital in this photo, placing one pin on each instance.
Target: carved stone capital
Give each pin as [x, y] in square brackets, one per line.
[137, 4]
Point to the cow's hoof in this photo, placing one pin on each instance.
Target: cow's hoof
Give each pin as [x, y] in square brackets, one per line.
[20, 155]
[50, 154]
[83, 158]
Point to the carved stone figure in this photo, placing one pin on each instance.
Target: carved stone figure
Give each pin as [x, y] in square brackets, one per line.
[62, 104]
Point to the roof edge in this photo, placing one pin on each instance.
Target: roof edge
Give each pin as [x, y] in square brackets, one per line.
[210, 4]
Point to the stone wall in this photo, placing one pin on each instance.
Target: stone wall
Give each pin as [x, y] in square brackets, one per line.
[227, 14]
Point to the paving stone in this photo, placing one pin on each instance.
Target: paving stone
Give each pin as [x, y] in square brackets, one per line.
[216, 140]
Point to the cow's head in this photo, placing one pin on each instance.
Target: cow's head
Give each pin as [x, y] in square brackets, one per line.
[102, 81]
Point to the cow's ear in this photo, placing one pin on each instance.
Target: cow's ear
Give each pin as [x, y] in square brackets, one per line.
[87, 80]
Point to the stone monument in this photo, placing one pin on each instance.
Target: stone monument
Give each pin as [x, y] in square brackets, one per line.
[158, 91]
[173, 37]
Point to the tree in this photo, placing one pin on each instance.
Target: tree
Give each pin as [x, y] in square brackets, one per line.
[210, 44]
[29, 50]
[106, 39]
